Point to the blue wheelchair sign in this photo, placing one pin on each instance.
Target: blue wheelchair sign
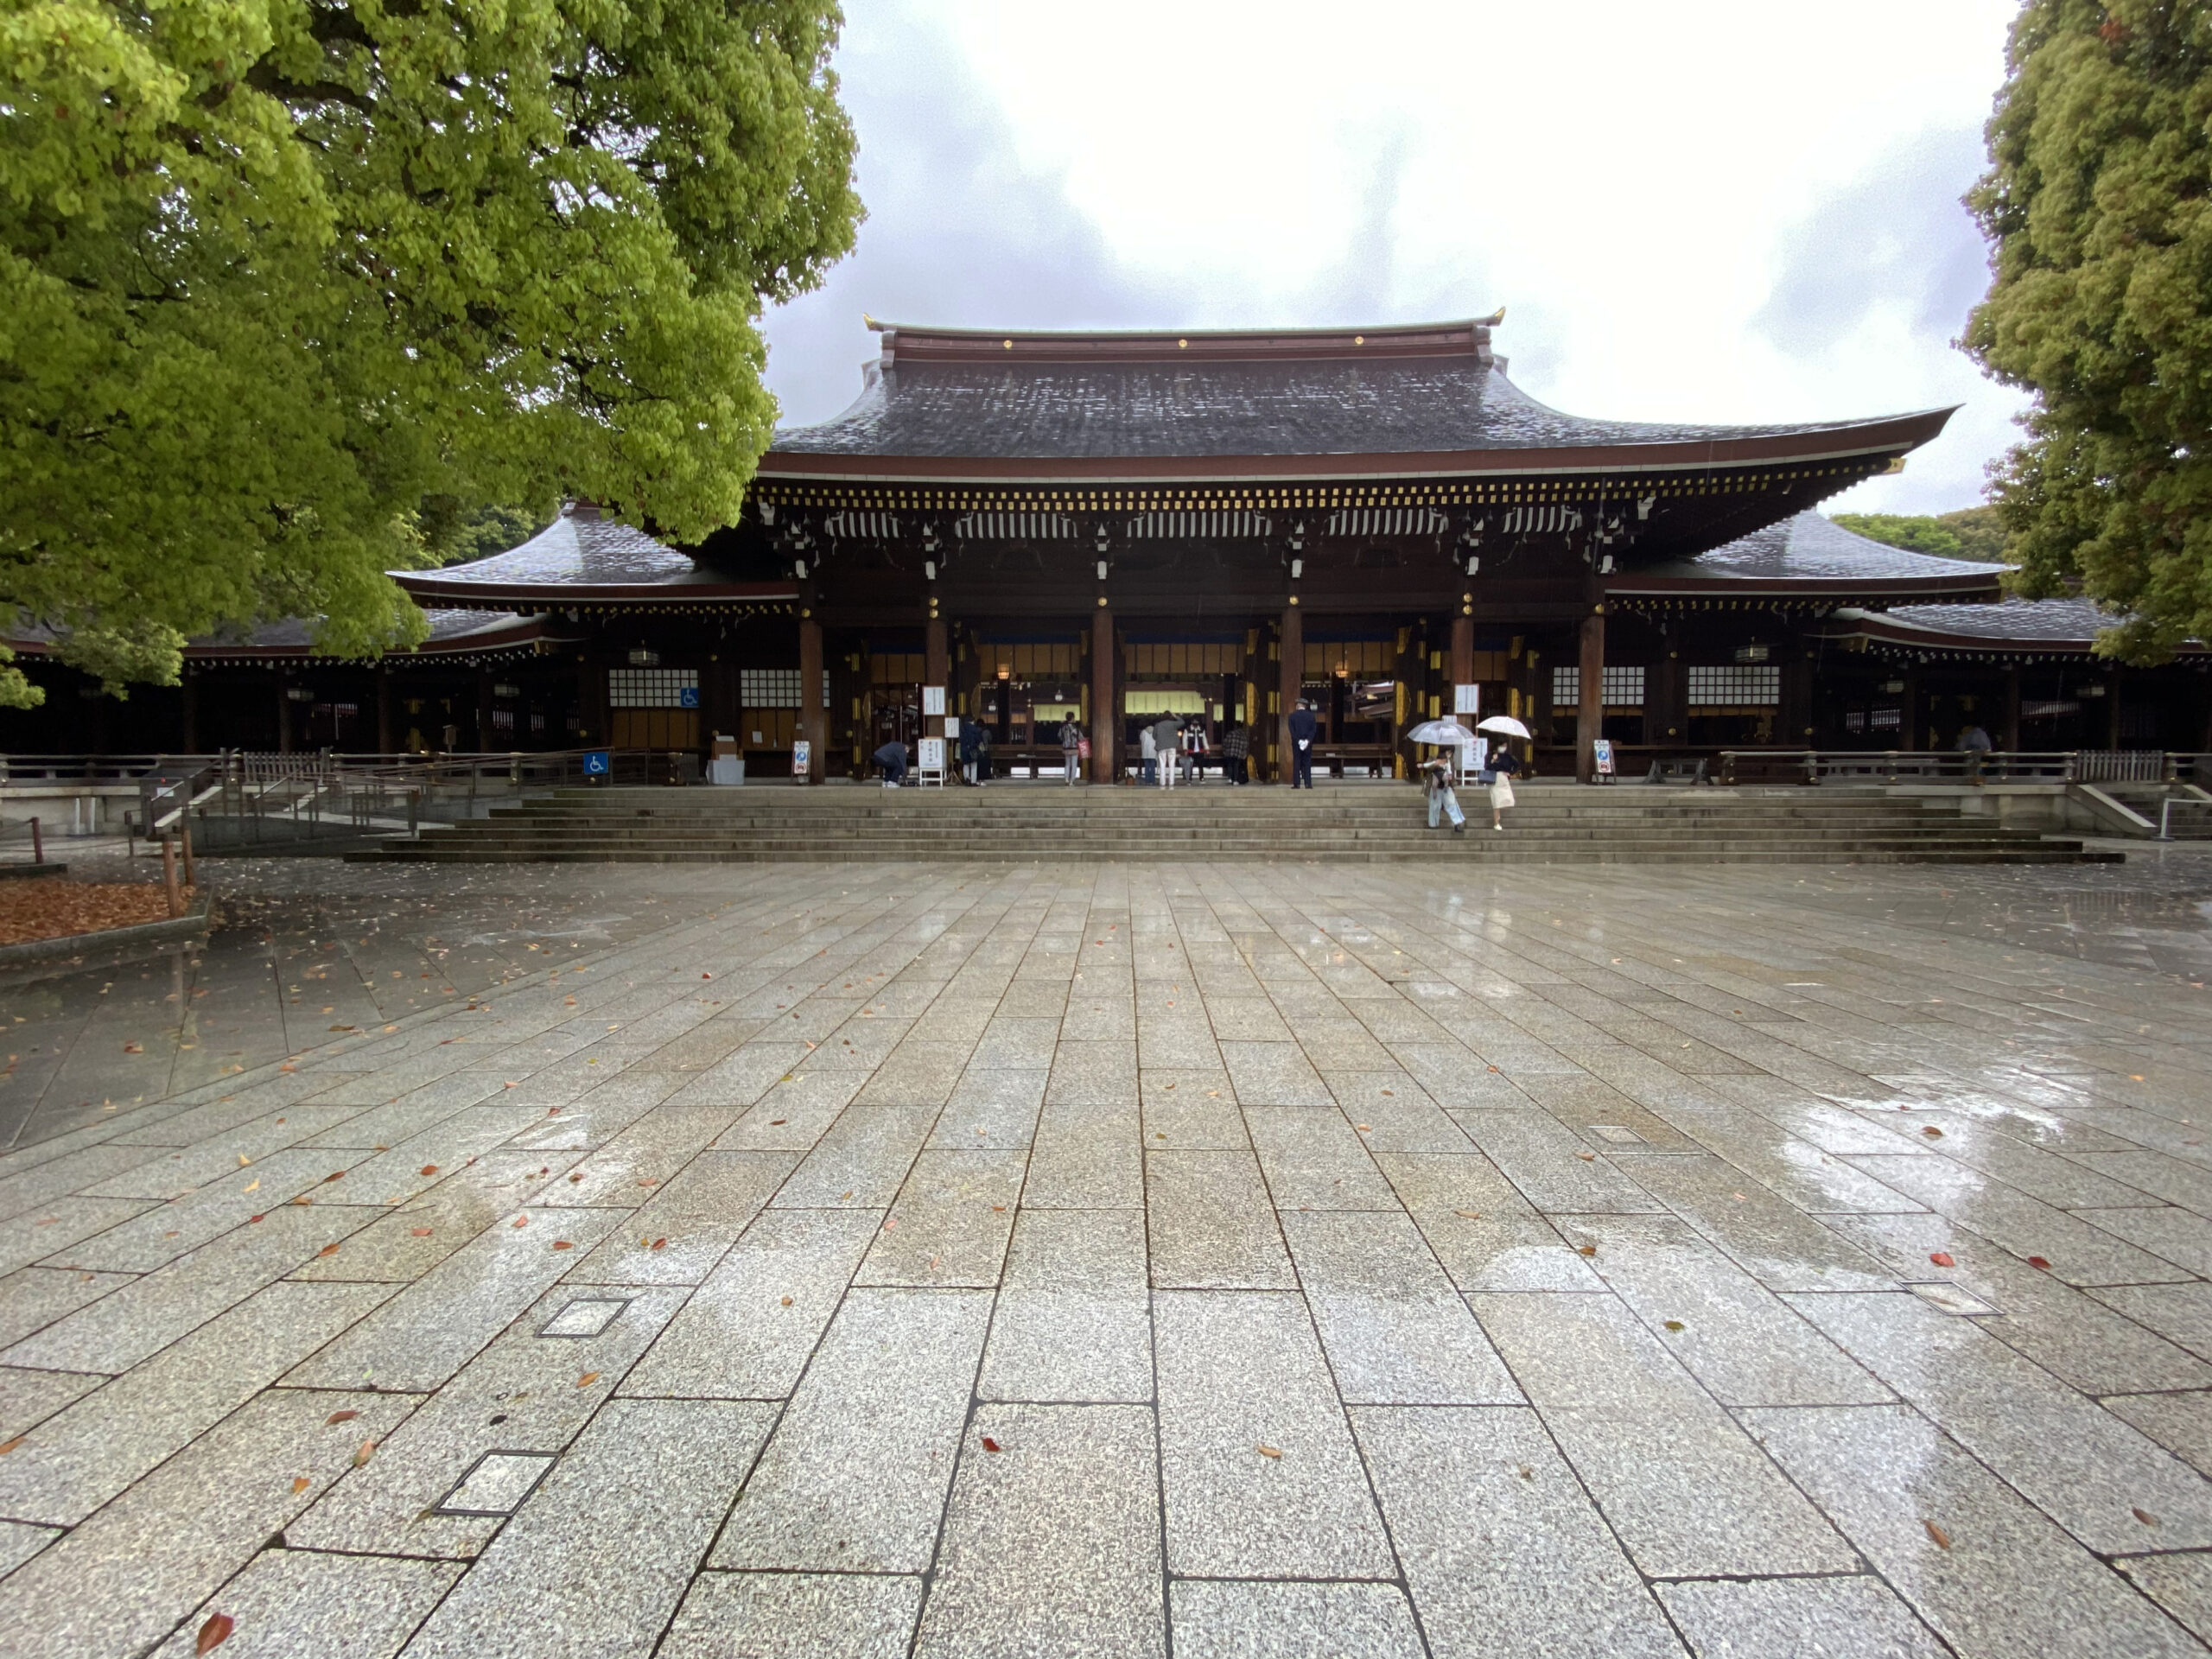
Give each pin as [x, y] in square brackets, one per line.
[687, 697]
[595, 763]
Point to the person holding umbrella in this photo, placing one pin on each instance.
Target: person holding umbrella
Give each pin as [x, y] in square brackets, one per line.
[1436, 774]
[1499, 768]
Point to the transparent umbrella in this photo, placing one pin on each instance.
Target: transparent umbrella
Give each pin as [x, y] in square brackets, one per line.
[1450, 732]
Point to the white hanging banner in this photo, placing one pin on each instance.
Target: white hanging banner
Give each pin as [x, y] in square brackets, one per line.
[1467, 699]
[932, 700]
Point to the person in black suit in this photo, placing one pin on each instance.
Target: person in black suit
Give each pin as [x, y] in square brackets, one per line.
[1302, 728]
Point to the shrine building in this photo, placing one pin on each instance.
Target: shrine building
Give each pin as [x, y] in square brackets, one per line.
[1115, 526]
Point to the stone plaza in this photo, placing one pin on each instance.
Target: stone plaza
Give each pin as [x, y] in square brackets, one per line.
[1227, 1260]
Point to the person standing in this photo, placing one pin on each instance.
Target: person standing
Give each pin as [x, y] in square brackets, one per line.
[1071, 745]
[1497, 775]
[1303, 727]
[1235, 747]
[982, 754]
[969, 730]
[1147, 751]
[1974, 744]
[1165, 741]
[892, 758]
[1436, 776]
[1194, 747]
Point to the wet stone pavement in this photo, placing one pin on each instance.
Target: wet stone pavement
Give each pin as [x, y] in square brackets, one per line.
[1221, 1260]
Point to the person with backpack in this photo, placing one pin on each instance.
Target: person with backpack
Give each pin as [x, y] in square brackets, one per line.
[1436, 778]
[1166, 739]
[1071, 746]
[1235, 749]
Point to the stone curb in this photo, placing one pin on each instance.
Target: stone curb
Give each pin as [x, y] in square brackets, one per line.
[191, 925]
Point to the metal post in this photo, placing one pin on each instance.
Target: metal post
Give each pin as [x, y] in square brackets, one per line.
[38, 844]
[184, 828]
[169, 875]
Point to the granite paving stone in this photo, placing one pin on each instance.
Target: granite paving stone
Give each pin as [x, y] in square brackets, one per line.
[653, 1477]
[1204, 1257]
[855, 1476]
[1051, 1540]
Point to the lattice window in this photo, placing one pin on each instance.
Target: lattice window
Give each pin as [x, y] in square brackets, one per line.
[1624, 686]
[767, 688]
[652, 688]
[1734, 685]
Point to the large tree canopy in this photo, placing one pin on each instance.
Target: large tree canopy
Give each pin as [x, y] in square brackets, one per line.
[1968, 533]
[2098, 204]
[289, 286]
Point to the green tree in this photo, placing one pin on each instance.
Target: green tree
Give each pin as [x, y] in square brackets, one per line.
[2098, 206]
[1970, 533]
[289, 288]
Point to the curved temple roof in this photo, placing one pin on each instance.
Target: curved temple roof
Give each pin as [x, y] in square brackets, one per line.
[942, 402]
[581, 555]
[1809, 554]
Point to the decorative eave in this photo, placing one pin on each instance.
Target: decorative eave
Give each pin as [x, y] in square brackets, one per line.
[1856, 450]
[1903, 638]
[701, 596]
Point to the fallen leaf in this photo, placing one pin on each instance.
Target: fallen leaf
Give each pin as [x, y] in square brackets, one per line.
[243, 1160]
[2037, 1261]
[11, 1445]
[418, 1232]
[562, 1244]
[650, 1180]
[2145, 1516]
[253, 1186]
[573, 1178]
[1472, 1215]
[1942, 1538]
[427, 1169]
[363, 1453]
[334, 1175]
[660, 1243]
[1364, 1128]
[787, 1302]
[1942, 1258]
[1931, 1132]
[522, 1221]
[134, 1048]
[252, 1219]
[1586, 1249]
[338, 1417]
[990, 1445]
[299, 1484]
[213, 1634]
[1674, 1325]
[330, 1248]
[1267, 1451]
[588, 1379]
[775, 1120]
[1587, 1157]
[1527, 1473]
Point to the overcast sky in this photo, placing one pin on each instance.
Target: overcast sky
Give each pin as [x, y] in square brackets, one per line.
[1739, 210]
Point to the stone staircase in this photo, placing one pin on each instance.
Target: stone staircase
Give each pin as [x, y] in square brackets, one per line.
[1362, 822]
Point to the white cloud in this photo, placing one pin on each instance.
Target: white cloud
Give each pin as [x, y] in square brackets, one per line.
[1738, 211]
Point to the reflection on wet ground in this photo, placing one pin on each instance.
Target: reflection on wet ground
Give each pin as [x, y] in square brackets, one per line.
[900, 1260]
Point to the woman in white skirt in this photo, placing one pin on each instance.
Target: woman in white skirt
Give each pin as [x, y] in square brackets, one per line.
[1498, 768]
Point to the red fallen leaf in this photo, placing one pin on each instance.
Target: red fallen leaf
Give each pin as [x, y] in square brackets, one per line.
[2037, 1261]
[660, 1243]
[418, 1232]
[11, 1445]
[1942, 1538]
[334, 1175]
[338, 1417]
[1942, 1258]
[427, 1169]
[1931, 1132]
[990, 1445]
[252, 1218]
[330, 1248]
[573, 1178]
[552, 1111]
[562, 1244]
[706, 975]
[213, 1635]
[522, 1221]
[774, 1121]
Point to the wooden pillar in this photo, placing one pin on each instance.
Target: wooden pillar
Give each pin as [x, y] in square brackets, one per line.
[2009, 739]
[484, 745]
[1292, 680]
[812, 724]
[1105, 706]
[1665, 715]
[384, 742]
[1463, 652]
[1590, 695]
[2112, 711]
[284, 714]
[188, 701]
[1909, 716]
[937, 666]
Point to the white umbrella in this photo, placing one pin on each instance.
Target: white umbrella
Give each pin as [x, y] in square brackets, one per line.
[1440, 731]
[1504, 724]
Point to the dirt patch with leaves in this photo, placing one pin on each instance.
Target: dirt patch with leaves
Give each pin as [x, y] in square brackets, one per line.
[53, 909]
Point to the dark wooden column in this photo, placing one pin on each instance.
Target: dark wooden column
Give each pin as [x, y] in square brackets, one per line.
[1795, 715]
[1292, 681]
[484, 733]
[2009, 739]
[937, 666]
[2112, 711]
[1463, 650]
[385, 744]
[813, 724]
[1666, 716]
[1590, 695]
[1105, 707]
[284, 714]
[1909, 716]
[189, 703]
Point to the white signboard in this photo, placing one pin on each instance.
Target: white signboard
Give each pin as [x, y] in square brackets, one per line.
[1466, 699]
[932, 755]
[952, 726]
[802, 758]
[932, 700]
